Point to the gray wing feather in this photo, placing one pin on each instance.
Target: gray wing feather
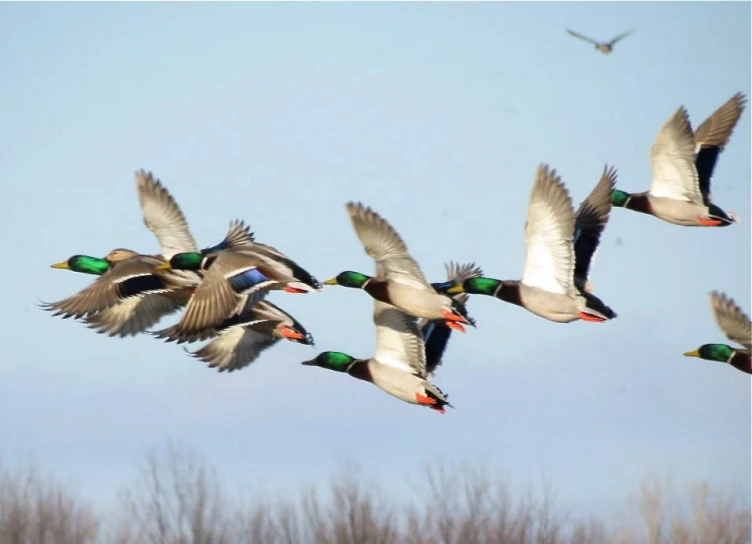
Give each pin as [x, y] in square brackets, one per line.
[133, 316]
[582, 37]
[163, 217]
[105, 292]
[549, 232]
[731, 319]
[239, 234]
[673, 160]
[235, 348]
[716, 130]
[398, 340]
[383, 244]
[620, 37]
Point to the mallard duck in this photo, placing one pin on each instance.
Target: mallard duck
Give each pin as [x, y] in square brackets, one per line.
[241, 339]
[302, 281]
[137, 305]
[399, 366]
[127, 317]
[399, 280]
[603, 47]
[135, 315]
[737, 327]
[683, 164]
[130, 275]
[559, 250]
[233, 278]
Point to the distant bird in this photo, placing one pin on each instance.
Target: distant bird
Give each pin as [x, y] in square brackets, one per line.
[603, 47]
[407, 351]
[400, 281]
[683, 163]
[560, 246]
[737, 327]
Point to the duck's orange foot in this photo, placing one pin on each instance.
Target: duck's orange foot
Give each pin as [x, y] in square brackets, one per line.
[454, 325]
[708, 222]
[590, 317]
[449, 316]
[424, 400]
[439, 410]
[290, 289]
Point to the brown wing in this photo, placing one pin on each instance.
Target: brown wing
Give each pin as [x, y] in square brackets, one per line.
[620, 37]
[163, 217]
[581, 37]
[132, 277]
[133, 315]
[731, 319]
[222, 293]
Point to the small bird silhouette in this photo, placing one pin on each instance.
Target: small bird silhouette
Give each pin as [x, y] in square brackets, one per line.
[603, 47]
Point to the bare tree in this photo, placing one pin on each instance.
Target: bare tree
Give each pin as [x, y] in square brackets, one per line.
[356, 514]
[707, 515]
[34, 509]
[473, 504]
[177, 499]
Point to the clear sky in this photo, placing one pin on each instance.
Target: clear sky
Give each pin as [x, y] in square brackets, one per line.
[436, 115]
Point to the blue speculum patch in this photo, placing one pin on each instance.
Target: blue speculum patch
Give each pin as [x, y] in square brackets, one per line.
[246, 280]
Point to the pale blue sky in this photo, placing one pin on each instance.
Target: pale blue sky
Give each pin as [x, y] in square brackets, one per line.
[437, 116]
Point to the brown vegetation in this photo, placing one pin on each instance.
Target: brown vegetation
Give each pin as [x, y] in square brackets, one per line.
[178, 499]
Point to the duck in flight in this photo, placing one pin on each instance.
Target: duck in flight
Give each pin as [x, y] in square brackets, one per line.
[603, 47]
[737, 327]
[683, 162]
[408, 351]
[560, 248]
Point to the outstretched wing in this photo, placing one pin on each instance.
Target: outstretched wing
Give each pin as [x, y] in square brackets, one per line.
[673, 160]
[235, 348]
[386, 247]
[458, 273]
[711, 138]
[399, 343]
[133, 315]
[132, 277]
[590, 221]
[238, 235]
[163, 217]
[620, 37]
[580, 36]
[549, 230]
[731, 319]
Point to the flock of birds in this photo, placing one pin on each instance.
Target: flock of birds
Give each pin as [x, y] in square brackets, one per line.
[222, 290]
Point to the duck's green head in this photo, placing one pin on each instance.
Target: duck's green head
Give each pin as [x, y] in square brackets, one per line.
[332, 360]
[476, 286]
[85, 264]
[192, 260]
[619, 198]
[356, 280]
[713, 352]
